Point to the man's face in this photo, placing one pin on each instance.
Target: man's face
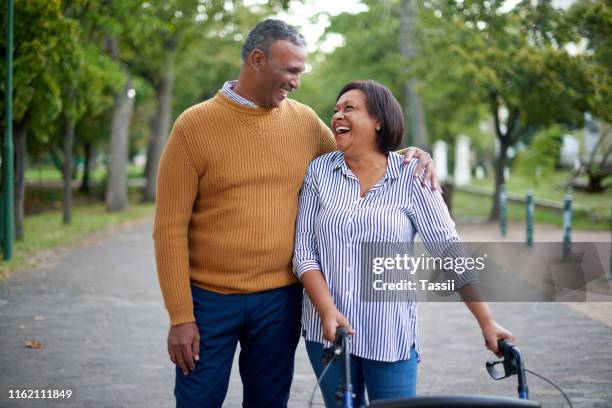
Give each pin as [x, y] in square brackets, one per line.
[280, 73]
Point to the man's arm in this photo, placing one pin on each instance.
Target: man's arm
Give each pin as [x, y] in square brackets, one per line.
[177, 189]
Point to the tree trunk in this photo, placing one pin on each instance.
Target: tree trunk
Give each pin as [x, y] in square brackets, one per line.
[116, 182]
[506, 140]
[160, 131]
[408, 49]
[89, 152]
[67, 171]
[20, 135]
[595, 183]
[500, 165]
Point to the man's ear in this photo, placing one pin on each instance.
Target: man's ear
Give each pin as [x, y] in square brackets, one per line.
[257, 59]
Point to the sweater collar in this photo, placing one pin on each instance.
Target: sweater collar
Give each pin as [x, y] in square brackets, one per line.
[258, 111]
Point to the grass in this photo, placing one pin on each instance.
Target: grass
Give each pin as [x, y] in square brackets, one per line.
[45, 231]
[473, 205]
[46, 173]
[551, 187]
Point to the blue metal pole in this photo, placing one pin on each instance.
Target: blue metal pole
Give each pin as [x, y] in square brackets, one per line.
[567, 224]
[503, 211]
[529, 217]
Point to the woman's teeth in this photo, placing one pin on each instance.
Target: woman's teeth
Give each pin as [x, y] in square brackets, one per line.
[342, 129]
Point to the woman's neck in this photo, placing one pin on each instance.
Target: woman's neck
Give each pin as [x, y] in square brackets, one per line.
[371, 161]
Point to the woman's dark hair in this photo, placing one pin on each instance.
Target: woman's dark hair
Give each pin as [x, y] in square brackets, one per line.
[383, 106]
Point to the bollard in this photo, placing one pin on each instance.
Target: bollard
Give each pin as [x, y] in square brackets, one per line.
[503, 210]
[529, 217]
[567, 224]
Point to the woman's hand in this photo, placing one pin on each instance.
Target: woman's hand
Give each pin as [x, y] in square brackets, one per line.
[331, 319]
[493, 332]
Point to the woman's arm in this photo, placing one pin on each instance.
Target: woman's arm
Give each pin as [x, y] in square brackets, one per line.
[491, 330]
[306, 262]
[321, 298]
[431, 219]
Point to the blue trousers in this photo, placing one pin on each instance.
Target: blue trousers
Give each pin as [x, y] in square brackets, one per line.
[267, 325]
[383, 380]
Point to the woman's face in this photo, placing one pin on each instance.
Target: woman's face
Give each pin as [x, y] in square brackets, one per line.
[352, 125]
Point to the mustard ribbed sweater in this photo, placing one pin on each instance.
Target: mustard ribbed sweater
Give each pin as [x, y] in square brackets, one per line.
[227, 197]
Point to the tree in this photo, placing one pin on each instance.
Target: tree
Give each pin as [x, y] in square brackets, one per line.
[43, 40]
[120, 29]
[592, 19]
[511, 61]
[89, 79]
[408, 49]
[369, 50]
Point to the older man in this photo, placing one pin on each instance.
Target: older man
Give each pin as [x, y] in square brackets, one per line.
[227, 196]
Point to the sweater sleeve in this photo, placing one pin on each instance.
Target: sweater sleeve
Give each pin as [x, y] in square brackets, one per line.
[177, 189]
[326, 138]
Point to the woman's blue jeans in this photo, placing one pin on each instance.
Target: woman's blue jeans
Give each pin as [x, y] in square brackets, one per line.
[383, 380]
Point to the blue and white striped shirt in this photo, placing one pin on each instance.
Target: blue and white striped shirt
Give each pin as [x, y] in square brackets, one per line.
[228, 90]
[333, 220]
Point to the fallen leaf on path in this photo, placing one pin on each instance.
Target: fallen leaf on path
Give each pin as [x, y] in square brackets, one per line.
[34, 344]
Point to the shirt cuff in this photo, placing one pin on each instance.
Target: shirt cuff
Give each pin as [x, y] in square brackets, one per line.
[464, 279]
[306, 265]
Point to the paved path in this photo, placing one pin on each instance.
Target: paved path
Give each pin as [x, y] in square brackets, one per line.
[98, 312]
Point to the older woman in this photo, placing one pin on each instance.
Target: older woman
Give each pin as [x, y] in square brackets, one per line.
[364, 193]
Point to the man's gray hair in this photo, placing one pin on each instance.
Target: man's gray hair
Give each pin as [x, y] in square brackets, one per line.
[265, 33]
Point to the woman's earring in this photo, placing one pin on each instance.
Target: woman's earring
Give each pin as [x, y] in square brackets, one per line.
[378, 128]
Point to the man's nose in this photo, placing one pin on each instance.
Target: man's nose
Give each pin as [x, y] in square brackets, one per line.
[295, 82]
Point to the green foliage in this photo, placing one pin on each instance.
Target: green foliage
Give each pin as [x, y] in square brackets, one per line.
[213, 57]
[487, 56]
[44, 41]
[370, 50]
[592, 20]
[542, 156]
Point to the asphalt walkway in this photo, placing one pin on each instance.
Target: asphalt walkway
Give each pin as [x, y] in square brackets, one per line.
[97, 311]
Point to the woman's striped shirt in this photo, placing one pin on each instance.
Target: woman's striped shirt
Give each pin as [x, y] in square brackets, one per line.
[333, 221]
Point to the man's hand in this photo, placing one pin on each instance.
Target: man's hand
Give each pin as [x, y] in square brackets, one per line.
[184, 345]
[425, 162]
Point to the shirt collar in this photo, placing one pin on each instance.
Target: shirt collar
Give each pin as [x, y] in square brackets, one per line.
[394, 165]
[228, 90]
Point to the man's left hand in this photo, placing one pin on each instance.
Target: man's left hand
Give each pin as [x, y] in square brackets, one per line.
[425, 162]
